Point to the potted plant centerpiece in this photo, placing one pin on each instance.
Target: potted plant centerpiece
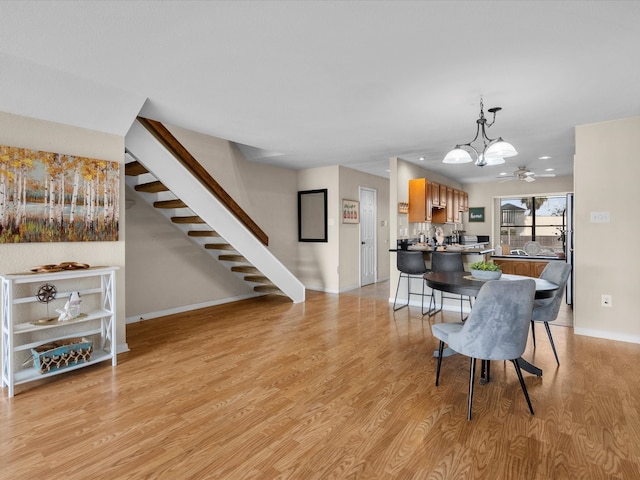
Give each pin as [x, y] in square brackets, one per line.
[485, 270]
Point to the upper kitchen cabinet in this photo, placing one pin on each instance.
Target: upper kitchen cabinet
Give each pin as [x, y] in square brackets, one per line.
[420, 200]
[435, 193]
[435, 203]
[464, 202]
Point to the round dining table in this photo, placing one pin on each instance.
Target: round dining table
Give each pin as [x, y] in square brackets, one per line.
[463, 283]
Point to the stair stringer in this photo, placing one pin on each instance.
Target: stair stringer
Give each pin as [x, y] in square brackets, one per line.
[168, 170]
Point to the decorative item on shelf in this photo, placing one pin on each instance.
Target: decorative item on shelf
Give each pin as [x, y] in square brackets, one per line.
[59, 354]
[403, 207]
[46, 293]
[485, 270]
[71, 309]
[51, 268]
[493, 151]
[440, 238]
[532, 248]
[350, 211]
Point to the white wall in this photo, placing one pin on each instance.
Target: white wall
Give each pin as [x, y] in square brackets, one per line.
[167, 272]
[267, 193]
[606, 172]
[26, 132]
[349, 263]
[318, 262]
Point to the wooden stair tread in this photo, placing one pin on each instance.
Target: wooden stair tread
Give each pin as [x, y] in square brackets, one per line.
[202, 233]
[218, 246]
[246, 269]
[151, 187]
[134, 169]
[258, 279]
[190, 219]
[267, 289]
[176, 203]
[232, 258]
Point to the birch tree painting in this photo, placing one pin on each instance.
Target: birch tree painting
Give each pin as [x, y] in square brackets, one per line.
[53, 197]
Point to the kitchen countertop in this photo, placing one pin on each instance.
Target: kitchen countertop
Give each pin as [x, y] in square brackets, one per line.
[468, 251]
[528, 257]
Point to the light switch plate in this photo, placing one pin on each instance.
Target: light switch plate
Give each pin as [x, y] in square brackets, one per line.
[600, 217]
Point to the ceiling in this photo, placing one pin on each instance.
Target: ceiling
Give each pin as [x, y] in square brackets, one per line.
[315, 83]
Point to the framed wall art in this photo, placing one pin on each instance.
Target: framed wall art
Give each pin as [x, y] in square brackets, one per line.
[312, 216]
[476, 214]
[55, 197]
[350, 211]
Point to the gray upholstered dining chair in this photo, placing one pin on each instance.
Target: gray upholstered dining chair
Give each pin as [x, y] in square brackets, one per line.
[446, 262]
[546, 310]
[496, 329]
[411, 265]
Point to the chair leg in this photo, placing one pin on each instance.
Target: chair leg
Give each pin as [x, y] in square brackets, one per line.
[472, 375]
[522, 385]
[440, 352]
[396, 299]
[553, 346]
[533, 333]
[435, 309]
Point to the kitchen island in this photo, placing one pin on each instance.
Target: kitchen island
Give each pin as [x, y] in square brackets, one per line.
[470, 254]
[528, 265]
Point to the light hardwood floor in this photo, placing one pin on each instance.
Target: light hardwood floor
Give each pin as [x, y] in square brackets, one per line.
[338, 387]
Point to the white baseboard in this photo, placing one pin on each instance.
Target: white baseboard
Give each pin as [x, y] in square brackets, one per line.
[450, 307]
[590, 332]
[188, 308]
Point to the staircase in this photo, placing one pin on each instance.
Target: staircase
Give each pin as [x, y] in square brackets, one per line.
[163, 181]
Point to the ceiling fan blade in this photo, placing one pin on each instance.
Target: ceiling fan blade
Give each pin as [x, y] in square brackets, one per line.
[529, 178]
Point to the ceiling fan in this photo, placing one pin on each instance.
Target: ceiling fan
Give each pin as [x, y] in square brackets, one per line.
[523, 173]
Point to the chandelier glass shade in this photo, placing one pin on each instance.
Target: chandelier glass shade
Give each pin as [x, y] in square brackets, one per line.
[493, 151]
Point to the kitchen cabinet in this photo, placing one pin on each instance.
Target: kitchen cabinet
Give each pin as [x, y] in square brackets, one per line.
[464, 202]
[443, 196]
[456, 206]
[434, 187]
[527, 268]
[420, 204]
[25, 325]
[435, 203]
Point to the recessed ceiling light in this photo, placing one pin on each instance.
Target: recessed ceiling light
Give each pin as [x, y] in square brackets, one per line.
[549, 169]
[504, 173]
[545, 157]
[421, 159]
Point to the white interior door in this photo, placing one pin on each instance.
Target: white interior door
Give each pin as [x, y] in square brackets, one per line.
[367, 236]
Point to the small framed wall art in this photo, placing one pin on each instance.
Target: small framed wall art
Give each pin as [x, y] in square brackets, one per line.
[476, 214]
[350, 211]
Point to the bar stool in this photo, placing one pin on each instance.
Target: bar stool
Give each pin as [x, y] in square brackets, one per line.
[446, 262]
[411, 265]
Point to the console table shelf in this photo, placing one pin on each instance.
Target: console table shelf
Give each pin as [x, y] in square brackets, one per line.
[21, 311]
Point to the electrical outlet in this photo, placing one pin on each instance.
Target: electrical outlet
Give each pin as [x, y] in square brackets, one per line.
[606, 301]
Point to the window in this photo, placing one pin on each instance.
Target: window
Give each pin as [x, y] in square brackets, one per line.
[540, 219]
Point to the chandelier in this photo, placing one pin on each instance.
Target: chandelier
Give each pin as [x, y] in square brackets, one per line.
[493, 151]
